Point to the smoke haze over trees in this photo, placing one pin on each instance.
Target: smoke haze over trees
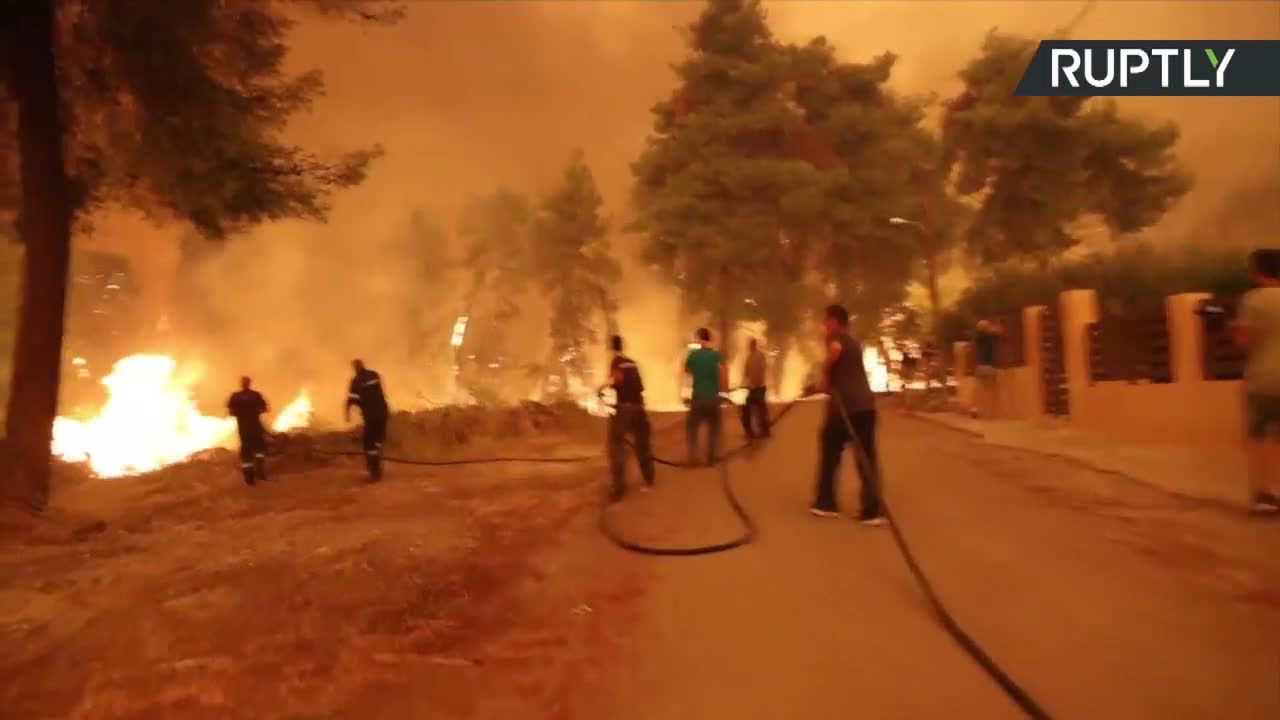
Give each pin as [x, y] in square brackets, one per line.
[171, 109]
[467, 97]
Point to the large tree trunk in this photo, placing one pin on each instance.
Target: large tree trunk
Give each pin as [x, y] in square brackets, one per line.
[726, 322]
[45, 232]
[930, 240]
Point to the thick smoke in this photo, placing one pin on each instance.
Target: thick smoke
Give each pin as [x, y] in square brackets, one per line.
[467, 97]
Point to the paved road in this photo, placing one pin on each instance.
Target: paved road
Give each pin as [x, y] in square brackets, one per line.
[1103, 598]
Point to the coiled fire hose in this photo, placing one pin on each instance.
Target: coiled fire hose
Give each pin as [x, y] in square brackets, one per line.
[871, 470]
[749, 528]
[866, 468]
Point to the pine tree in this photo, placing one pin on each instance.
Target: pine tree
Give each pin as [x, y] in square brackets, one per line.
[1037, 165]
[719, 184]
[172, 108]
[574, 266]
[768, 183]
[496, 230]
[426, 284]
[875, 139]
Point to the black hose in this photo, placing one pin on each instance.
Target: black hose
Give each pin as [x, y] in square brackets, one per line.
[749, 528]
[467, 461]
[726, 484]
[968, 644]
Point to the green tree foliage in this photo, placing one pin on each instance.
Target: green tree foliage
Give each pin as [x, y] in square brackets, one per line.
[1037, 164]
[718, 184]
[1132, 276]
[574, 266]
[177, 109]
[495, 228]
[876, 144]
[174, 108]
[771, 173]
[427, 285]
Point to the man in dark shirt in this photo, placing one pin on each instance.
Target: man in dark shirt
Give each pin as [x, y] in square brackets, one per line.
[709, 378]
[845, 380]
[247, 406]
[365, 392]
[629, 419]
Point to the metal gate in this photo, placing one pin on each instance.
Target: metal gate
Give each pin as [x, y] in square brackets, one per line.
[1055, 372]
[1131, 345]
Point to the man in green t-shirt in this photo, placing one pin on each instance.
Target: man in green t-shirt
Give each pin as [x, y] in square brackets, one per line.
[706, 370]
[1258, 330]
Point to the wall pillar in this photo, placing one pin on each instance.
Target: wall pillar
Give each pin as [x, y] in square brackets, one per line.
[1033, 352]
[1186, 336]
[961, 363]
[960, 359]
[1078, 308]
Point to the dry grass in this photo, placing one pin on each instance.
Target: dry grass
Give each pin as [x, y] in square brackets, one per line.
[186, 594]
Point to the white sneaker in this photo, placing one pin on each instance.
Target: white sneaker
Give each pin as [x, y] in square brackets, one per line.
[1265, 504]
[819, 512]
[876, 521]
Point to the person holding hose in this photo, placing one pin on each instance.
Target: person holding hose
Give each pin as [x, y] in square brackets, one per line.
[365, 392]
[628, 420]
[247, 406]
[706, 369]
[851, 404]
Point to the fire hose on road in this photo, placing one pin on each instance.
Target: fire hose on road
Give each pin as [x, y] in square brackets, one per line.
[726, 486]
[866, 468]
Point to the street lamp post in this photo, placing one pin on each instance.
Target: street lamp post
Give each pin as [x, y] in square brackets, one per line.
[929, 250]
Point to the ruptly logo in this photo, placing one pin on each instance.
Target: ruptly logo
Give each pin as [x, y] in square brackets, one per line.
[1094, 67]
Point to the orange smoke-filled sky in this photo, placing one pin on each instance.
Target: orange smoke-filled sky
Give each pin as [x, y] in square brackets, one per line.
[466, 96]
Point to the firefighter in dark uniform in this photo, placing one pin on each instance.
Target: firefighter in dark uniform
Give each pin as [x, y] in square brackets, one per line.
[366, 393]
[629, 420]
[248, 406]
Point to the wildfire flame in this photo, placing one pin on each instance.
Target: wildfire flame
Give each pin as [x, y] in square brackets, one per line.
[296, 414]
[877, 369]
[150, 421]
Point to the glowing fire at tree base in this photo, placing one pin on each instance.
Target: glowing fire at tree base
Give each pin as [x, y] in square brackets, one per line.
[150, 421]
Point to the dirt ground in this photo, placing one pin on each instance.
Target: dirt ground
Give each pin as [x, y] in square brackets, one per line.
[487, 592]
[440, 592]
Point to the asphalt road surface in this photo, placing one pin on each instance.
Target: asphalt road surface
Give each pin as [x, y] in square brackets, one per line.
[1103, 598]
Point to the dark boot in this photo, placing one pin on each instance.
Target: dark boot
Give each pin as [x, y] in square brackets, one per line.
[248, 473]
[260, 466]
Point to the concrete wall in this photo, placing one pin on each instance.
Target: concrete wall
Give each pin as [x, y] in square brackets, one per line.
[1187, 411]
[1205, 414]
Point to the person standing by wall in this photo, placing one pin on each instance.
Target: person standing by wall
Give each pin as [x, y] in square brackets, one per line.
[986, 343]
[755, 411]
[706, 370]
[1257, 329]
